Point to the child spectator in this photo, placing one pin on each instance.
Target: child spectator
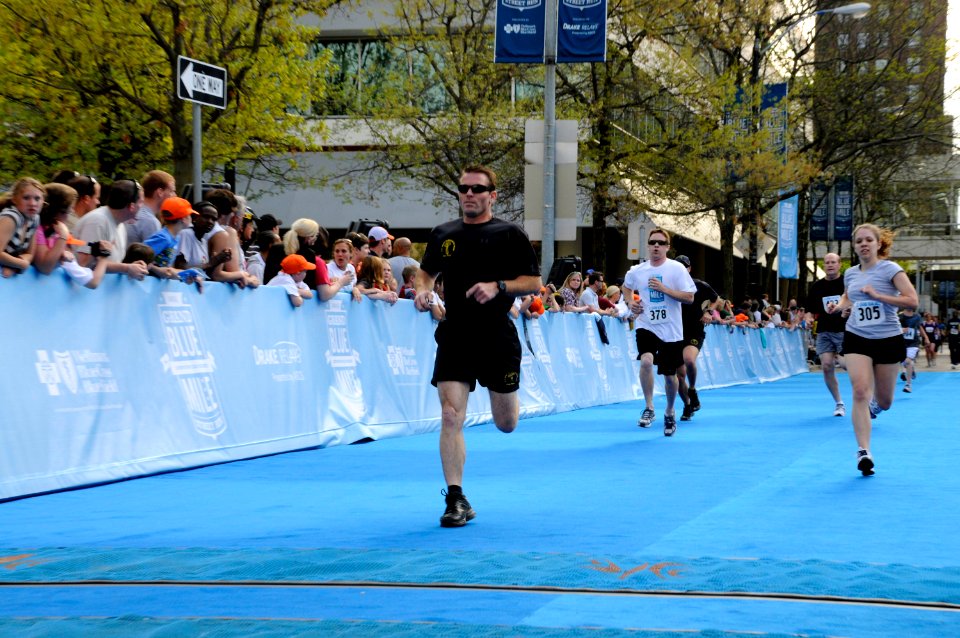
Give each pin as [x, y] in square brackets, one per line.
[372, 282]
[293, 270]
[53, 239]
[177, 215]
[409, 290]
[19, 218]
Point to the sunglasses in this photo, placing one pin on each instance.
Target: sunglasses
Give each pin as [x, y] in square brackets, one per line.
[476, 188]
[658, 242]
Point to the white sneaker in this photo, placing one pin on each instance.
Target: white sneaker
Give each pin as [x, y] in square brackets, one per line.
[840, 410]
[875, 408]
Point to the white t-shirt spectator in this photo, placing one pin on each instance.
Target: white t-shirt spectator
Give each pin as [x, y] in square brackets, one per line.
[334, 272]
[100, 225]
[285, 281]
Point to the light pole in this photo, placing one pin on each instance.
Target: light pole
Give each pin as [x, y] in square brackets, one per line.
[856, 11]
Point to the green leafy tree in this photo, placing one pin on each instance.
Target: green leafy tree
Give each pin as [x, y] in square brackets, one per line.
[90, 85]
[428, 100]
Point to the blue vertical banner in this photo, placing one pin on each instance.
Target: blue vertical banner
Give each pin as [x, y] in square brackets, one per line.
[843, 209]
[773, 108]
[787, 251]
[519, 35]
[819, 212]
[582, 31]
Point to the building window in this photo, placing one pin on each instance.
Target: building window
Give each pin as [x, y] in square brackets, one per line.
[916, 10]
[880, 64]
[863, 39]
[843, 40]
[913, 64]
[913, 92]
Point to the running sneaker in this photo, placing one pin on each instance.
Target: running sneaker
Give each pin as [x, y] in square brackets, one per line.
[669, 424]
[864, 462]
[647, 418]
[875, 408]
[907, 388]
[694, 399]
[687, 413]
[458, 510]
[840, 410]
[903, 376]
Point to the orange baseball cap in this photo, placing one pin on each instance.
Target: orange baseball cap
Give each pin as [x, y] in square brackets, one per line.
[174, 208]
[292, 264]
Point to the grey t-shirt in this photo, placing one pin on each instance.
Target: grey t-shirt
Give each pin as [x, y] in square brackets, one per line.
[870, 318]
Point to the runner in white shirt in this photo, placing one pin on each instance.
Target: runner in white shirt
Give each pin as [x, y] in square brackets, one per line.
[662, 284]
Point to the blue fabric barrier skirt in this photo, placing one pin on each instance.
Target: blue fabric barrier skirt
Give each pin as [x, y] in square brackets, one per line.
[136, 378]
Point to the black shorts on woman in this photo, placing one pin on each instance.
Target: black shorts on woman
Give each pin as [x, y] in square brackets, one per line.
[885, 350]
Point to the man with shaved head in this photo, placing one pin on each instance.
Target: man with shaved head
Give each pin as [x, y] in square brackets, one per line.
[830, 327]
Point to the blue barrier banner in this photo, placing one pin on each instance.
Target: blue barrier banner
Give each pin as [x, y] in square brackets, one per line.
[519, 35]
[787, 250]
[843, 209]
[819, 213]
[136, 378]
[582, 31]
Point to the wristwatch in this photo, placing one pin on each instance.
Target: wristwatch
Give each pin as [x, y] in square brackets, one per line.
[502, 287]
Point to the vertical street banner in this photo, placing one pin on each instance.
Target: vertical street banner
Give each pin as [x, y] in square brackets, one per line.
[773, 109]
[819, 212]
[843, 209]
[519, 34]
[582, 31]
[787, 251]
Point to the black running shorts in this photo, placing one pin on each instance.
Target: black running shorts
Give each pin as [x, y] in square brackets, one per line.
[489, 354]
[668, 355]
[887, 350]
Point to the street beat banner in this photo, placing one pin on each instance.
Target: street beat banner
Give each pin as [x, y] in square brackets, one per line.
[520, 31]
[140, 377]
[519, 34]
[582, 31]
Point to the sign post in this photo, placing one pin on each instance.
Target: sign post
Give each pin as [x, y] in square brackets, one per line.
[202, 84]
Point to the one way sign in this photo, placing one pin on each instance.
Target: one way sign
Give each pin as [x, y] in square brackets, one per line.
[201, 82]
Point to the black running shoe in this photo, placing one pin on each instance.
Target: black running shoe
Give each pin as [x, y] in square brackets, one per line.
[687, 413]
[669, 424]
[458, 511]
[864, 462]
[694, 399]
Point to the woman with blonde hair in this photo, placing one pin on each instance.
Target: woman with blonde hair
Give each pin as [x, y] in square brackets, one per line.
[873, 344]
[19, 219]
[571, 289]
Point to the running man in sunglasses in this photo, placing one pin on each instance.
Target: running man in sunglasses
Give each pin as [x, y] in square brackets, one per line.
[485, 263]
[662, 284]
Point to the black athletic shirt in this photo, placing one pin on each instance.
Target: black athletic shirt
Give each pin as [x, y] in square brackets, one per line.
[470, 253]
[693, 312]
[830, 290]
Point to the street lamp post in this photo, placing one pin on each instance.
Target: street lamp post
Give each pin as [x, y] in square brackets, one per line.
[856, 11]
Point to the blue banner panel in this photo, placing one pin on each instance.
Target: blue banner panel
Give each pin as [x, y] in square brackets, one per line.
[774, 114]
[519, 36]
[582, 31]
[787, 251]
[843, 209]
[140, 377]
[819, 213]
